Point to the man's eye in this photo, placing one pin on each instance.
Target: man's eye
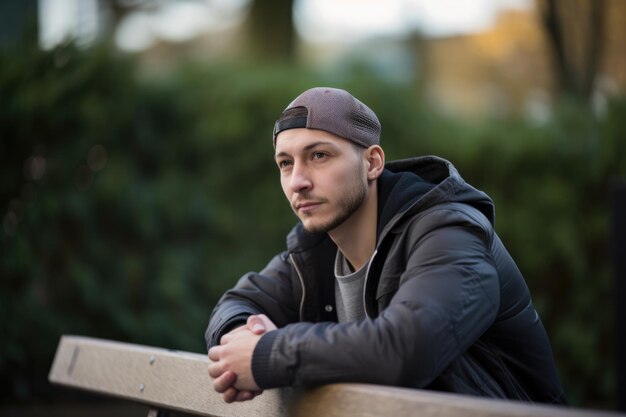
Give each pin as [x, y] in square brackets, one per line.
[283, 164]
[319, 155]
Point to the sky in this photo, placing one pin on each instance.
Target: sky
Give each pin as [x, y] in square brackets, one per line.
[317, 21]
[330, 20]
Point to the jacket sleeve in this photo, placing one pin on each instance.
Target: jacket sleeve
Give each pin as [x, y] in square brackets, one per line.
[269, 292]
[447, 297]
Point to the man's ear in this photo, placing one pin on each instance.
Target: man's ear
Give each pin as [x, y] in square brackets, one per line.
[375, 159]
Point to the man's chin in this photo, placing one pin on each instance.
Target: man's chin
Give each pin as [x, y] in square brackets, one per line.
[320, 226]
[314, 226]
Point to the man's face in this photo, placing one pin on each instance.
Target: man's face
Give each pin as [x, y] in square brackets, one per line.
[322, 176]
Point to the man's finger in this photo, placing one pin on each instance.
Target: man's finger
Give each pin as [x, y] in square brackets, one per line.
[230, 395]
[267, 323]
[245, 396]
[216, 369]
[256, 324]
[214, 353]
[224, 381]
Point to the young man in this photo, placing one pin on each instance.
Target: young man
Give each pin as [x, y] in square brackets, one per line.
[394, 275]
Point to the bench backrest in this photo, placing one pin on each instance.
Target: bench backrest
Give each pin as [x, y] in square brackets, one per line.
[173, 380]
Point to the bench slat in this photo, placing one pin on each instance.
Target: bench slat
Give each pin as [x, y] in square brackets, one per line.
[343, 400]
[157, 377]
[179, 381]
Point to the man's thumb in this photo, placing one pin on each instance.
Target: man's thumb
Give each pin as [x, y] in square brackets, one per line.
[256, 325]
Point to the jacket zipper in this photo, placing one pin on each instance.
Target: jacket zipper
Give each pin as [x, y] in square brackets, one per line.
[367, 273]
[295, 265]
[388, 228]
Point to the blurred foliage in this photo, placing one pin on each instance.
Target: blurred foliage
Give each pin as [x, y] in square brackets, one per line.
[130, 204]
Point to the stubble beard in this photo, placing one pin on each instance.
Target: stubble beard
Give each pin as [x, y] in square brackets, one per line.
[349, 203]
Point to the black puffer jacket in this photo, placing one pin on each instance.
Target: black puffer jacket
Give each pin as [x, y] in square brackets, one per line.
[447, 308]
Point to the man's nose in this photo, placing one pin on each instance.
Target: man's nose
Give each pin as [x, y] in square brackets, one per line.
[300, 179]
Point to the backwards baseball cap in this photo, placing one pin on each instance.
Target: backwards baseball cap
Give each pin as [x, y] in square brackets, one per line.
[333, 110]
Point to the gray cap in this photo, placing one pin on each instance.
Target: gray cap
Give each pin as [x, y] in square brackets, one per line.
[333, 110]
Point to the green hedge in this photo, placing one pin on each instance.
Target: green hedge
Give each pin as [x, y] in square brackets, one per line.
[131, 204]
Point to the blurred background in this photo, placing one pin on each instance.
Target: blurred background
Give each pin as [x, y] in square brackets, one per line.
[136, 174]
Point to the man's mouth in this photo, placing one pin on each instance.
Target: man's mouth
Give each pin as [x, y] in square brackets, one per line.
[305, 206]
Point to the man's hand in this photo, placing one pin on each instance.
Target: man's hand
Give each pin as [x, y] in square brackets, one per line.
[232, 360]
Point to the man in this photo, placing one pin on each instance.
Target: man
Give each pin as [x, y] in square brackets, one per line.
[394, 275]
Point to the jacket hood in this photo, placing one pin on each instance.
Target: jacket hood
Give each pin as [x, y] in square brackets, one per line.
[445, 186]
[405, 187]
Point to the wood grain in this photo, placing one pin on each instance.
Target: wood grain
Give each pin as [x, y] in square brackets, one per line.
[179, 381]
[157, 377]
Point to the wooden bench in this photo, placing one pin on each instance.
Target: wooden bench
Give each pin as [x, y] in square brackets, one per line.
[170, 380]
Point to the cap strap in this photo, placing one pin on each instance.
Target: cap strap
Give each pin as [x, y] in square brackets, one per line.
[290, 123]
